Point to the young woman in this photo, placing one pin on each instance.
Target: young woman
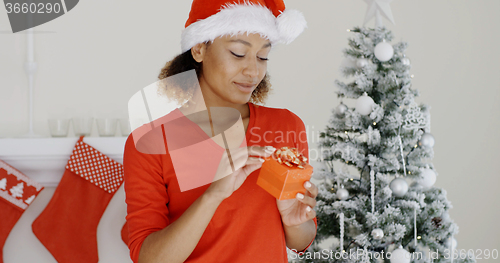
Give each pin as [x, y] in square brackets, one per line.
[230, 219]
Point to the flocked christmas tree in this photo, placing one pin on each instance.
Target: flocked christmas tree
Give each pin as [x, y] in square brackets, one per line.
[377, 193]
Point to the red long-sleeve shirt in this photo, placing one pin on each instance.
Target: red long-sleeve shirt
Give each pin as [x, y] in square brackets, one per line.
[246, 227]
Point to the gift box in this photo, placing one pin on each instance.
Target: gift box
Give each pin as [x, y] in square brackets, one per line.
[284, 173]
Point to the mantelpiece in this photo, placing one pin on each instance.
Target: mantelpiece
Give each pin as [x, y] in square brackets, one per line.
[44, 159]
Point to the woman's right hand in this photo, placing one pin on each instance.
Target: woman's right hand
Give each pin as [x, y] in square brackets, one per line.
[245, 161]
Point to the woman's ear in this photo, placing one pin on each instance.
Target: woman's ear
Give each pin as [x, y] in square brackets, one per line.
[198, 52]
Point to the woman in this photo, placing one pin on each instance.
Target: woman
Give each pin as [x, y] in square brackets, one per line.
[230, 219]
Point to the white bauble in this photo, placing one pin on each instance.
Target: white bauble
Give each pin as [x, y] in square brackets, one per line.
[400, 255]
[364, 104]
[399, 187]
[428, 178]
[426, 141]
[342, 194]
[362, 62]
[384, 51]
[341, 110]
[377, 233]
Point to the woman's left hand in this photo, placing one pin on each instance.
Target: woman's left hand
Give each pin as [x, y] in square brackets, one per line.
[299, 210]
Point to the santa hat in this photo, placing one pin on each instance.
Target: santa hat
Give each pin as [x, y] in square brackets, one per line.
[210, 19]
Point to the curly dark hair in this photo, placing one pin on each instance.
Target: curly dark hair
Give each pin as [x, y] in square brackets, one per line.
[182, 93]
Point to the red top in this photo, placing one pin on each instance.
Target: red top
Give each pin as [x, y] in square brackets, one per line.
[246, 227]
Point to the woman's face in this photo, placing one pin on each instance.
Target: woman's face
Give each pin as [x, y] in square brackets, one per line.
[232, 67]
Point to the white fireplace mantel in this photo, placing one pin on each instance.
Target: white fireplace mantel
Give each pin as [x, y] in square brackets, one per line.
[44, 159]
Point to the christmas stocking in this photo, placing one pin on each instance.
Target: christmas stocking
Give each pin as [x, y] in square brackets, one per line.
[68, 225]
[17, 191]
[125, 233]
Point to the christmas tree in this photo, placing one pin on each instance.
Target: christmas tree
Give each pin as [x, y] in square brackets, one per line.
[17, 191]
[377, 193]
[3, 183]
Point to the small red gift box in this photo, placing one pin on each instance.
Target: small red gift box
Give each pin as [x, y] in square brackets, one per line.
[283, 175]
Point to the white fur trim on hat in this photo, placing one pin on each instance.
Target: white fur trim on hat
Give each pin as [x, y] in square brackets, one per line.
[291, 23]
[233, 19]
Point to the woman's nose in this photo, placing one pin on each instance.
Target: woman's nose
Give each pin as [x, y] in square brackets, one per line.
[251, 69]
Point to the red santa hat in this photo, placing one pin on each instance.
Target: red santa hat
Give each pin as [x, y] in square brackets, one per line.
[210, 19]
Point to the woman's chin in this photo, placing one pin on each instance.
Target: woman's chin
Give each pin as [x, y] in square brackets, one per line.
[242, 99]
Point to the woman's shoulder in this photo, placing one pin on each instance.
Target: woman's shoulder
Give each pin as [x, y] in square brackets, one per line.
[145, 141]
[148, 138]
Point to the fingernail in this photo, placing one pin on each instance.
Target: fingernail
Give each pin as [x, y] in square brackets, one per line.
[307, 184]
[261, 160]
[270, 149]
[300, 196]
[308, 209]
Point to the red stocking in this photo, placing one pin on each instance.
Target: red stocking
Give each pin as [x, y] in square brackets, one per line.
[17, 191]
[125, 233]
[68, 225]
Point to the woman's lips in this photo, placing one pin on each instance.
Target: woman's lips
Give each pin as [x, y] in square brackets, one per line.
[246, 88]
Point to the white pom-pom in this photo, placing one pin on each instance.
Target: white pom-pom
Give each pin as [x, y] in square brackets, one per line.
[291, 23]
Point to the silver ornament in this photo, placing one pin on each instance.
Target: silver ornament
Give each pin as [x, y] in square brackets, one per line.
[428, 178]
[426, 141]
[364, 104]
[341, 110]
[400, 255]
[361, 62]
[405, 61]
[384, 51]
[377, 233]
[342, 194]
[399, 187]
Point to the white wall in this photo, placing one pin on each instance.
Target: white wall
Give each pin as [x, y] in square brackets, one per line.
[100, 53]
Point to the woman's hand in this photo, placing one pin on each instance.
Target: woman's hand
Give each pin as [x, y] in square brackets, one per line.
[245, 161]
[300, 209]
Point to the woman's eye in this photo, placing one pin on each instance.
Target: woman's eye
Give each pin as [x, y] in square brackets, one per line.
[239, 56]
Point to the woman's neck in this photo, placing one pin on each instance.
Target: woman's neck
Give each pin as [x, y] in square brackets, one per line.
[194, 109]
[201, 101]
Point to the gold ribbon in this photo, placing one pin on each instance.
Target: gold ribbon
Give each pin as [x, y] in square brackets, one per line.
[290, 157]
